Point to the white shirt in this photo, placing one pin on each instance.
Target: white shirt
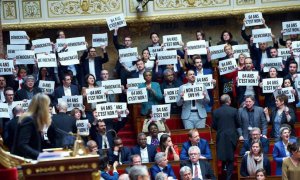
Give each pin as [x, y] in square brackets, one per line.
[2, 96]
[263, 56]
[199, 170]
[144, 155]
[10, 108]
[67, 91]
[105, 141]
[199, 72]
[92, 67]
[287, 153]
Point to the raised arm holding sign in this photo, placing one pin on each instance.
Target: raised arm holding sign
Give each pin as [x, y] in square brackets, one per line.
[227, 66]
[253, 19]
[115, 22]
[291, 27]
[42, 45]
[18, 37]
[172, 41]
[262, 35]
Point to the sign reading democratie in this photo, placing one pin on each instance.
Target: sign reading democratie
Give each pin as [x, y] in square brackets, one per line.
[112, 86]
[253, 19]
[206, 80]
[73, 44]
[11, 49]
[172, 41]
[196, 47]
[284, 52]
[99, 40]
[247, 78]
[133, 83]
[82, 127]
[6, 67]
[73, 102]
[171, 95]
[296, 48]
[95, 95]
[128, 54]
[116, 21]
[161, 111]
[217, 52]
[137, 95]
[286, 91]
[46, 60]
[154, 50]
[167, 57]
[193, 92]
[47, 87]
[269, 85]
[239, 49]
[42, 45]
[68, 58]
[18, 37]
[25, 57]
[291, 27]
[272, 62]
[227, 66]
[4, 110]
[262, 35]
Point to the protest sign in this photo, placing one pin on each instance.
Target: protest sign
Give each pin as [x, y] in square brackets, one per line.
[106, 111]
[18, 37]
[196, 47]
[206, 80]
[286, 91]
[116, 21]
[95, 95]
[227, 66]
[6, 67]
[217, 52]
[262, 35]
[296, 48]
[73, 102]
[297, 81]
[120, 107]
[172, 41]
[253, 19]
[46, 60]
[171, 95]
[137, 95]
[154, 50]
[272, 62]
[167, 57]
[99, 40]
[128, 54]
[25, 57]
[68, 58]
[269, 85]
[23, 104]
[73, 44]
[4, 110]
[133, 83]
[239, 49]
[161, 111]
[247, 78]
[11, 49]
[193, 92]
[42, 45]
[47, 87]
[291, 27]
[112, 86]
[284, 52]
[82, 127]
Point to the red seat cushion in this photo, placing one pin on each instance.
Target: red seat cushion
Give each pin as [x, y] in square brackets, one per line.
[9, 174]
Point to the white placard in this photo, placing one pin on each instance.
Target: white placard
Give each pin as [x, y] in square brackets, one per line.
[128, 54]
[217, 52]
[154, 50]
[133, 83]
[82, 127]
[227, 66]
[23, 104]
[116, 21]
[238, 49]
[296, 48]
[196, 47]
[11, 49]
[171, 95]
[193, 92]
[286, 91]
[42, 45]
[253, 19]
[172, 41]
[25, 57]
[284, 52]
[206, 80]
[137, 95]
[112, 86]
[106, 111]
[47, 87]
[262, 35]
[269, 85]
[247, 78]
[161, 111]
[18, 37]
[6, 67]
[73, 44]
[99, 40]
[46, 60]
[297, 82]
[167, 57]
[68, 58]
[4, 110]
[95, 95]
[73, 102]
[120, 107]
[272, 62]
[291, 27]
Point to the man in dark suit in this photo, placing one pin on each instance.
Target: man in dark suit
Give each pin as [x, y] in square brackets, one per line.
[119, 152]
[161, 165]
[139, 73]
[226, 133]
[194, 140]
[201, 169]
[147, 152]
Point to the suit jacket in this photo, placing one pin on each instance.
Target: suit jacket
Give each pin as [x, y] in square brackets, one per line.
[59, 93]
[266, 166]
[279, 154]
[203, 146]
[125, 155]
[10, 131]
[206, 72]
[247, 145]
[107, 176]
[22, 93]
[186, 105]
[283, 120]
[259, 121]
[98, 137]
[154, 170]
[206, 170]
[150, 148]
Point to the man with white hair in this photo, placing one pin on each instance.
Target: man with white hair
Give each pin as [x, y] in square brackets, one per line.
[139, 173]
[201, 169]
[185, 173]
[161, 165]
[161, 176]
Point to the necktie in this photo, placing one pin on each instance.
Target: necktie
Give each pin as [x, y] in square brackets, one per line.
[193, 103]
[196, 171]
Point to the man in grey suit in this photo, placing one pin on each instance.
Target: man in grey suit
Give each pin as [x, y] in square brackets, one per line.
[193, 111]
[251, 116]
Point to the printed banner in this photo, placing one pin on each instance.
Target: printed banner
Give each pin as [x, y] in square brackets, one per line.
[23, 104]
[106, 111]
[120, 107]
[238, 49]
[171, 95]
[272, 62]
[217, 52]
[73, 44]
[193, 92]
[247, 78]
[227, 66]
[133, 83]
[99, 40]
[196, 47]
[25, 57]
[154, 50]
[4, 110]
[172, 41]
[296, 48]
[46, 60]
[137, 95]
[128, 54]
[68, 58]
[18, 37]
[262, 35]
[82, 127]
[269, 85]
[286, 91]
[47, 87]
[112, 86]
[284, 52]
[6, 67]
[291, 27]
[161, 111]
[167, 57]
[42, 45]
[11, 49]
[115, 22]
[73, 102]
[206, 80]
[253, 19]
[95, 95]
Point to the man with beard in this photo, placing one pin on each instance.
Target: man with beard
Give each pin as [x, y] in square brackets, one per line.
[119, 152]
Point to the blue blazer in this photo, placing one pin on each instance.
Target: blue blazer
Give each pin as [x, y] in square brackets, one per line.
[150, 148]
[167, 170]
[59, 93]
[203, 146]
[125, 155]
[107, 176]
[279, 154]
